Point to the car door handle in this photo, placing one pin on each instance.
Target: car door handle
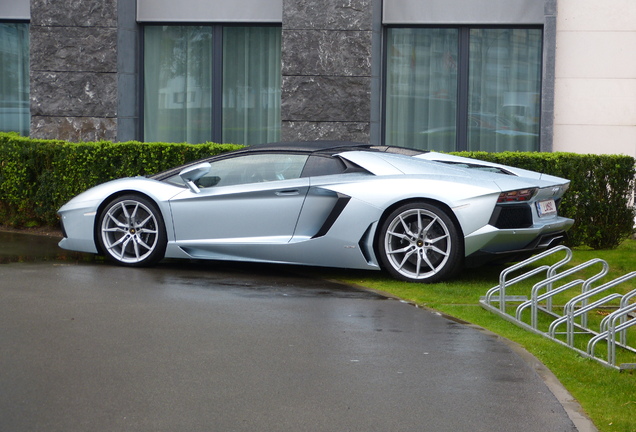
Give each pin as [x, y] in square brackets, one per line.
[287, 192]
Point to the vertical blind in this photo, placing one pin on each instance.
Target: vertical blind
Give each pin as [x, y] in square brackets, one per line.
[497, 110]
[421, 88]
[251, 84]
[504, 89]
[181, 73]
[14, 78]
[178, 83]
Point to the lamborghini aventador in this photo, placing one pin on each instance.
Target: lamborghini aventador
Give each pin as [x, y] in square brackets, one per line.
[420, 216]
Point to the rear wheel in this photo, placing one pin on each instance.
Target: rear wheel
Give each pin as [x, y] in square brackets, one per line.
[132, 231]
[419, 242]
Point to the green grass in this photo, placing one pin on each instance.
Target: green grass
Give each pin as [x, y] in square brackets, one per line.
[607, 396]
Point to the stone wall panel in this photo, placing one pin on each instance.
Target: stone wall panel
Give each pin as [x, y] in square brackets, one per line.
[327, 14]
[339, 131]
[70, 13]
[74, 49]
[73, 63]
[326, 52]
[326, 69]
[73, 94]
[74, 129]
[325, 98]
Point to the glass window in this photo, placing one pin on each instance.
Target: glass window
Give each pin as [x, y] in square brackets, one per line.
[324, 165]
[251, 84]
[440, 99]
[14, 78]
[421, 88]
[178, 83]
[504, 89]
[189, 75]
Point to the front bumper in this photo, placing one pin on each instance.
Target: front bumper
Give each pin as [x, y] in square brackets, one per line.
[78, 227]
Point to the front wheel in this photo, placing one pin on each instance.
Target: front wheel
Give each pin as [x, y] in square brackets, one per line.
[419, 242]
[131, 231]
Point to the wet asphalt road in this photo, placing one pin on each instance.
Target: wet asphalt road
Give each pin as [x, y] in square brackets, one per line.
[217, 347]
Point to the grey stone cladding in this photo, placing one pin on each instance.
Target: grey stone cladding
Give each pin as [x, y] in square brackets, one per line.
[326, 70]
[73, 64]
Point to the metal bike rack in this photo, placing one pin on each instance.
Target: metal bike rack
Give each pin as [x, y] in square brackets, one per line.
[574, 315]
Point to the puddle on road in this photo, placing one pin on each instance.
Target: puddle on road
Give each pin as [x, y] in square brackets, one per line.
[19, 247]
[250, 279]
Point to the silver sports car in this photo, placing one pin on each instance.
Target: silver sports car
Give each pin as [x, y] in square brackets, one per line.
[421, 216]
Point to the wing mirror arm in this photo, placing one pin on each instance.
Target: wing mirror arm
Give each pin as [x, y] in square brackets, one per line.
[194, 173]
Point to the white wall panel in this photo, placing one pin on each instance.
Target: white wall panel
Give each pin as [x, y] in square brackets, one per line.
[262, 11]
[595, 101]
[595, 15]
[596, 139]
[595, 85]
[463, 12]
[15, 9]
[597, 54]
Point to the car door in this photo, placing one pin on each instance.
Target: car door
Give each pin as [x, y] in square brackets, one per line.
[249, 199]
[323, 205]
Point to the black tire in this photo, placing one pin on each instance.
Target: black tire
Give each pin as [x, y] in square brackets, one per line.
[130, 231]
[419, 242]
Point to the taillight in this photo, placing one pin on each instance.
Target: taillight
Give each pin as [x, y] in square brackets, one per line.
[517, 195]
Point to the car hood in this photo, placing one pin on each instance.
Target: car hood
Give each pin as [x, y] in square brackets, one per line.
[95, 195]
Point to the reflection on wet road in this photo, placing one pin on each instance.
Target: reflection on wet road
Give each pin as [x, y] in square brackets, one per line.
[218, 347]
[18, 247]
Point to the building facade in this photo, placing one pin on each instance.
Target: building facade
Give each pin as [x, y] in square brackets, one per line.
[491, 75]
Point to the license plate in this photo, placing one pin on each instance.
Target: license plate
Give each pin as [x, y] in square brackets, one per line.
[546, 208]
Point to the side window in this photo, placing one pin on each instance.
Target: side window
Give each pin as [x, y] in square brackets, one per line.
[321, 165]
[254, 169]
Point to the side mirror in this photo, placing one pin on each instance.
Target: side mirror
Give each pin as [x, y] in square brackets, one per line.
[194, 173]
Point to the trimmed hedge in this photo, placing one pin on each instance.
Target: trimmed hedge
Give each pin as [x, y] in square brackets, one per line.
[38, 176]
